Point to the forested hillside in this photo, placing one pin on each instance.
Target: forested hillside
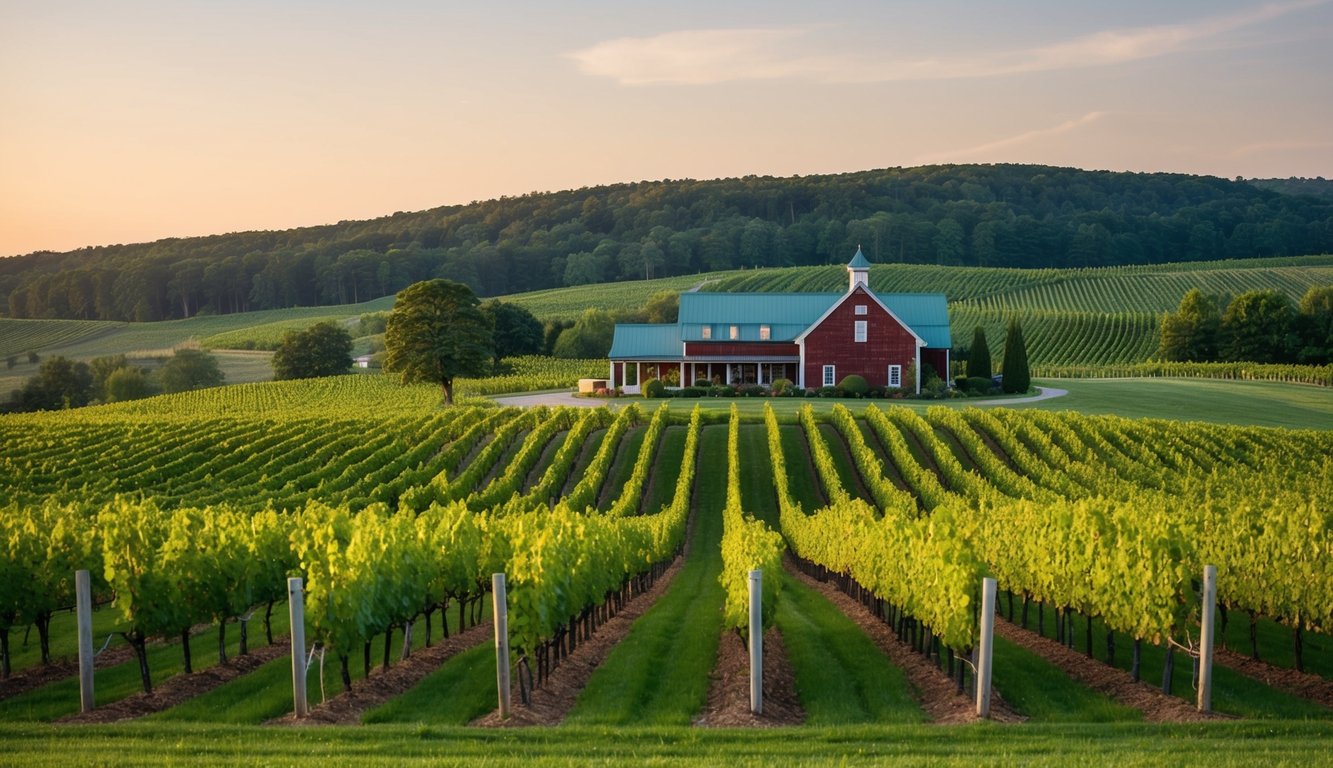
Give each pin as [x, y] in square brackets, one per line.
[981, 215]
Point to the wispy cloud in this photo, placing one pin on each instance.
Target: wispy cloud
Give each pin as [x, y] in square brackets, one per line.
[706, 56]
[1023, 138]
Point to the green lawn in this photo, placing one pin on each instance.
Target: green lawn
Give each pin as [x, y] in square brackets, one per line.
[1221, 744]
[1256, 403]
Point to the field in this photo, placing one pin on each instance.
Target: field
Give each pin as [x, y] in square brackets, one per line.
[627, 533]
[1077, 322]
[335, 480]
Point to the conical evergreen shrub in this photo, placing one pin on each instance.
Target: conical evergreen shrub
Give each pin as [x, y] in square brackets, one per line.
[978, 357]
[1017, 377]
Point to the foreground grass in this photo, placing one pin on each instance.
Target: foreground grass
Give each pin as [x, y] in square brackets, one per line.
[658, 675]
[161, 744]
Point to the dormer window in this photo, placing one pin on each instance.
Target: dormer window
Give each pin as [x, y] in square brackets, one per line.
[735, 332]
[765, 333]
[707, 332]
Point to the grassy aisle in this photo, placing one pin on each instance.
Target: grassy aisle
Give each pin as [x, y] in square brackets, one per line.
[111, 684]
[1233, 693]
[658, 675]
[1039, 689]
[266, 693]
[841, 677]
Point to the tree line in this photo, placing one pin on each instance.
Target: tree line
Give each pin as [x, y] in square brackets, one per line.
[983, 215]
[1255, 326]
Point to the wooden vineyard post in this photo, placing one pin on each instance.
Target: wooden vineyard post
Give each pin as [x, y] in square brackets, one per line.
[83, 599]
[986, 647]
[296, 608]
[1207, 638]
[757, 642]
[501, 612]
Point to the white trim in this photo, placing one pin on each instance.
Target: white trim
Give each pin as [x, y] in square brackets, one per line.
[917, 368]
[824, 375]
[895, 369]
[920, 342]
[861, 309]
[613, 375]
[860, 331]
[800, 370]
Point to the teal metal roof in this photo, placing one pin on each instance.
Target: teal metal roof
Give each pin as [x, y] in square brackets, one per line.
[647, 342]
[859, 261]
[925, 313]
[789, 314]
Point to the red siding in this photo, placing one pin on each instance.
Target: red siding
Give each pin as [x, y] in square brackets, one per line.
[767, 349]
[831, 343]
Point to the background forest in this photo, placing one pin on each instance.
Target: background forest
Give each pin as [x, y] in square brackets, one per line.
[979, 215]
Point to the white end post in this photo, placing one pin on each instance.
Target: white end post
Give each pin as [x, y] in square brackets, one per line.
[296, 609]
[1207, 638]
[500, 611]
[83, 600]
[985, 649]
[757, 642]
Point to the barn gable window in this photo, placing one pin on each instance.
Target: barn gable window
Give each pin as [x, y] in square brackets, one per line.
[895, 375]
[860, 309]
[859, 332]
[830, 376]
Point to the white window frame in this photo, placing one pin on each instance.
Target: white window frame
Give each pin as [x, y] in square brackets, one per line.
[706, 333]
[861, 309]
[735, 332]
[765, 333]
[895, 375]
[859, 331]
[830, 375]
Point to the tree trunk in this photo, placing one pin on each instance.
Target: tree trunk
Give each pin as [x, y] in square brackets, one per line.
[1088, 634]
[345, 668]
[429, 611]
[222, 641]
[365, 660]
[140, 647]
[245, 639]
[1110, 647]
[1134, 666]
[185, 649]
[268, 623]
[388, 643]
[447, 384]
[44, 637]
[5, 666]
[1168, 669]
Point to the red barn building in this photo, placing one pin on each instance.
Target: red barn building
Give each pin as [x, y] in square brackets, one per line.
[811, 339]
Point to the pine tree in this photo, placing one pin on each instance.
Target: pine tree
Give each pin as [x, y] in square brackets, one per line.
[978, 357]
[1017, 377]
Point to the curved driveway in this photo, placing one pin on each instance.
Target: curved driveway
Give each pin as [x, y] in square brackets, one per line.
[568, 398]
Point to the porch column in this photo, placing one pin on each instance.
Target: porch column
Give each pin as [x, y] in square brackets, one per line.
[638, 374]
[612, 384]
[683, 382]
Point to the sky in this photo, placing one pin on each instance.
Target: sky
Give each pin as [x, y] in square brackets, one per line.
[131, 121]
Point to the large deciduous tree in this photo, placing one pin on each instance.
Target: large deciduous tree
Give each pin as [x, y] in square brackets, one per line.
[323, 349]
[1316, 325]
[189, 369]
[437, 332]
[1259, 327]
[1017, 376]
[516, 330]
[1191, 332]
